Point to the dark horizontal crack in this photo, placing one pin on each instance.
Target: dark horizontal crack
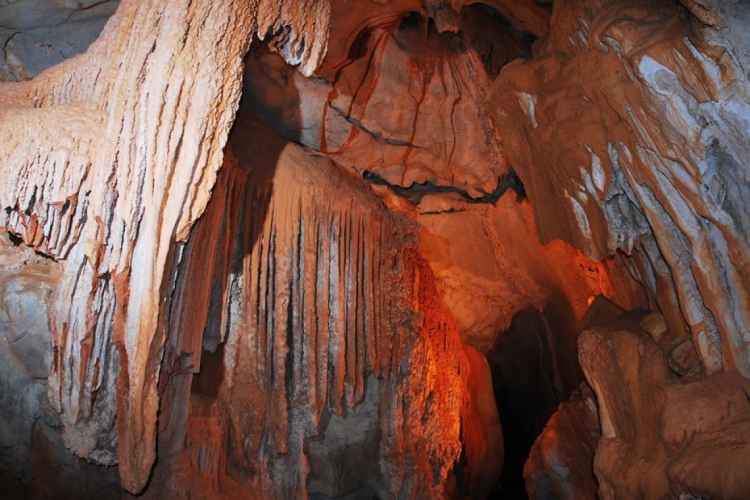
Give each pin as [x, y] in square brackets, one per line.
[416, 191]
[440, 212]
[376, 134]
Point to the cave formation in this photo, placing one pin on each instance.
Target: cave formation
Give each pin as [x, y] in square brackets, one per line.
[368, 249]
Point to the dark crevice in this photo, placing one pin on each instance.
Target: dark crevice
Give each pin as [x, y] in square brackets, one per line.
[7, 42]
[441, 212]
[416, 191]
[545, 6]
[523, 373]
[496, 38]
[210, 376]
[15, 240]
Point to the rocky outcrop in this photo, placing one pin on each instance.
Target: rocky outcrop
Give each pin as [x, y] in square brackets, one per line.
[120, 150]
[648, 448]
[294, 313]
[26, 282]
[630, 132]
[560, 462]
[438, 138]
[646, 423]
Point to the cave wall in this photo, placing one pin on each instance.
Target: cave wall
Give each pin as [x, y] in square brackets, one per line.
[438, 159]
[632, 136]
[304, 299]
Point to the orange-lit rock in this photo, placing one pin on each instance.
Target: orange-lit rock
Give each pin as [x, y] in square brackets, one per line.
[634, 435]
[648, 447]
[320, 324]
[560, 463]
[630, 129]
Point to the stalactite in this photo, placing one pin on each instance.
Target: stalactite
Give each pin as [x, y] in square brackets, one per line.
[312, 294]
[121, 148]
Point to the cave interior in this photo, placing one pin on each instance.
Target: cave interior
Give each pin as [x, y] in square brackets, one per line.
[373, 250]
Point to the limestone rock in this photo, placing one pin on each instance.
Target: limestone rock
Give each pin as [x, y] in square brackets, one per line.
[628, 128]
[560, 463]
[307, 317]
[38, 34]
[117, 164]
[33, 458]
[327, 374]
[26, 283]
[648, 448]
[437, 137]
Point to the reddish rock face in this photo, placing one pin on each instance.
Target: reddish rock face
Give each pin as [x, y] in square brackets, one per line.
[419, 208]
[559, 465]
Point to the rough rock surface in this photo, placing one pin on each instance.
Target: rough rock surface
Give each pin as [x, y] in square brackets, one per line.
[26, 282]
[644, 387]
[320, 306]
[34, 463]
[438, 160]
[120, 150]
[438, 135]
[490, 266]
[293, 317]
[648, 448]
[561, 461]
[38, 34]
[631, 132]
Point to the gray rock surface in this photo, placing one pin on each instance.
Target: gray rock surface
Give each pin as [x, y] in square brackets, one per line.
[26, 281]
[33, 459]
[37, 34]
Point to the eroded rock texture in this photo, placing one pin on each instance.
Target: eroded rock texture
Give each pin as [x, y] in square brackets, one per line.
[559, 465]
[633, 135]
[437, 158]
[294, 314]
[112, 157]
[34, 463]
[627, 434]
[648, 448]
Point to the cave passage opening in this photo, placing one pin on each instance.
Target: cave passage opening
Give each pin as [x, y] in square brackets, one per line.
[528, 388]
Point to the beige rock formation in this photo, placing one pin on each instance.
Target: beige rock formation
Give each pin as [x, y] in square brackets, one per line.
[109, 158]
